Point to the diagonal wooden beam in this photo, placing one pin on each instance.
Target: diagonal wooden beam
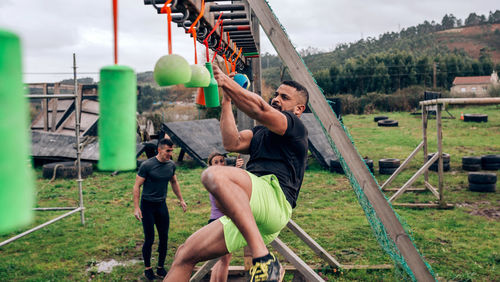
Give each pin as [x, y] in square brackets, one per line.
[343, 143]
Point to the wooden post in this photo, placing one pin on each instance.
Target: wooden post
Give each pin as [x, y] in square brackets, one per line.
[45, 106]
[244, 121]
[424, 136]
[55, 101]
[440, 153]
[247, 258]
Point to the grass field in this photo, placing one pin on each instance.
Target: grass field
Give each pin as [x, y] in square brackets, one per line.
[461, 244]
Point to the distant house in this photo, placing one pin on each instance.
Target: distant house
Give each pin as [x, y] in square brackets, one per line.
[476, 85]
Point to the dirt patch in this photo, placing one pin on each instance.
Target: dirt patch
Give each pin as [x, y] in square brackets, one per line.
[492, 213]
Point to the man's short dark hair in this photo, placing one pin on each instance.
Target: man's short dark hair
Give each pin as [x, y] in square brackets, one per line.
[165, 141]
[299, 87]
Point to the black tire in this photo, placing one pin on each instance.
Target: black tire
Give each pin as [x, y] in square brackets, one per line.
[388, 123]
[335, 166]
[446, 158]
[387, 170]
[66, 170]
[369, 163]
[491, 166]
[471, 167]
[389, 163]
[377, 118]
[476, 117]
[490, 159]
[482, 187]
[471, 160]
[434, 167]
[482, 178]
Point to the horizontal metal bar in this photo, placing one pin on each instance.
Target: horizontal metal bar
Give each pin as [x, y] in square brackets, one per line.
[50, 96]
[231, 16]
[227, 7]
[236, 22]
[237, 28]
[248, 35]
[238, 32]
[39, 227]
[54, 209]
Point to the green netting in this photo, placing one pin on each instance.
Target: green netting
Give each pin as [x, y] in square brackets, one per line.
[387, 244]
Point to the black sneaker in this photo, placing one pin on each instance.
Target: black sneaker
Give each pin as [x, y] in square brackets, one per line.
[160, 271]
[149, 274]
[269, 270]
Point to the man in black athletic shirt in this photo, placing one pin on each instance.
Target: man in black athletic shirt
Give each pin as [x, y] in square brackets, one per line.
[154, 174]
[257, 203]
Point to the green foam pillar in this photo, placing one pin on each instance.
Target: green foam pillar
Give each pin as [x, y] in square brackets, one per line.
[212, 90]
[16, 179]
[117, 120]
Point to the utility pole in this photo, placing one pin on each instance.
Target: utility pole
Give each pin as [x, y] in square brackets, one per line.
[434, 85]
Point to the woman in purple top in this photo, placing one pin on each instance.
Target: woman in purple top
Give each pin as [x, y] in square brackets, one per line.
[221, 268]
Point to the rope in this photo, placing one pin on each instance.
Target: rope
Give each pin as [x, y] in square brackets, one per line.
[115, 29]
[166, 10]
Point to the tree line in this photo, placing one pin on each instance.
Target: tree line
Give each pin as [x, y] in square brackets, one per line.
[390, 71]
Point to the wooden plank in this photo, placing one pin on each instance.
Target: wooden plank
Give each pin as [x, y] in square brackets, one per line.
[322, 253]
[372, 266]
[423, 205]
[290, 256]
[402, 166]
[45, 109]
[407, 190]
[432, 189]
[204, 269]
[440, 153]
[413, 178]
[320, 107]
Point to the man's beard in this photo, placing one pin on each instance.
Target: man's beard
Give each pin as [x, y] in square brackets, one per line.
[276, 106]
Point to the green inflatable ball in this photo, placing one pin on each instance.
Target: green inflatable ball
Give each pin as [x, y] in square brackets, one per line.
[171, 70]
[200, 77]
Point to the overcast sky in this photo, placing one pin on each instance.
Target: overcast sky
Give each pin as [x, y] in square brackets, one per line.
[52, 30]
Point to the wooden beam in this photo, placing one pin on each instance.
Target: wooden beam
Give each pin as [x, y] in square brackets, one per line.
[402, 166]
[312, 244]
[462, 101]
[204, 269]
[343, 143]
[423, 205]
[432, 189]
[413, 178]
[290, 256]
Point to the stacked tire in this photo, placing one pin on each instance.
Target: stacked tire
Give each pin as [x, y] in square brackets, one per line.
[388, 166]
[490, 162]
[66, 170]
[471, 163]
[482, 181]
[446, 162]
[369, 164]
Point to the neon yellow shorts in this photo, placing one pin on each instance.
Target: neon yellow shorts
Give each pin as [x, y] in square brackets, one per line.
[270, 209]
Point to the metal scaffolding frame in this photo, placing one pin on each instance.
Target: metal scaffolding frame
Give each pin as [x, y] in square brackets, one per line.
[79, 180]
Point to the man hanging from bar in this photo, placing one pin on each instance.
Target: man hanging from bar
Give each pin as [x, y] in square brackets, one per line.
[258, 202]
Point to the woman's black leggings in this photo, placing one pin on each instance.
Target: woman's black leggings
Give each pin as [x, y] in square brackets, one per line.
[154, 213]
